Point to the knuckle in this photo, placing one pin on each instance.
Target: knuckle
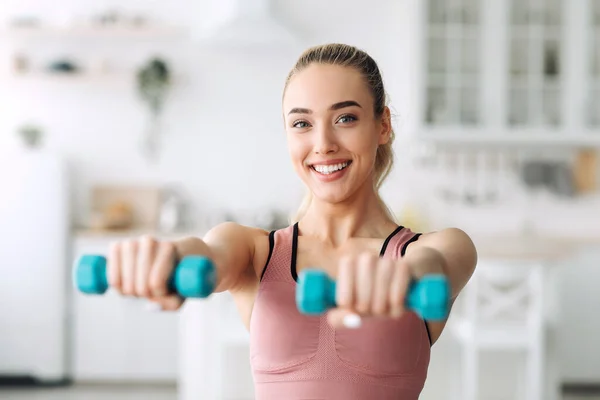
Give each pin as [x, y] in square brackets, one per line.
[114, 247]
[114, 281]
[346, 260]
[170, 306]
[156, 283]
[147, 241]
[166, 251]
[142, 290]
[128, 290]
[367, 258]
[379, 308]
[343, 300]
[387, 264]
[167, 246]
[129, 245]
[362, 307]
[396, 301]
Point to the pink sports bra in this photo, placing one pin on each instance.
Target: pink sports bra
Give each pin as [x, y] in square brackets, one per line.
[294, 356]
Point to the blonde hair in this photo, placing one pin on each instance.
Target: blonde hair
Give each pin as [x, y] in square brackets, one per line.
[350, 56]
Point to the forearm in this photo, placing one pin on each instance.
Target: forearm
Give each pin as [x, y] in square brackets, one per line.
[227, 246]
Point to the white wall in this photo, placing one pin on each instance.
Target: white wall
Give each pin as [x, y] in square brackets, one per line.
[226, 102]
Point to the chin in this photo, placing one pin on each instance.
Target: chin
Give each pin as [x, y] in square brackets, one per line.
[330, 198]
[332, 195]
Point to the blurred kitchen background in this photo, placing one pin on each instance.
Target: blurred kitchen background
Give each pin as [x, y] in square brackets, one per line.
[130, 117]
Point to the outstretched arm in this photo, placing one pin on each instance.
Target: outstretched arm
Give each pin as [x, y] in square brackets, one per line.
[450, 251]
[231, 248]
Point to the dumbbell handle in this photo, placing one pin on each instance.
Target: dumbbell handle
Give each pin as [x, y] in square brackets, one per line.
[429, 297]
[194, 276]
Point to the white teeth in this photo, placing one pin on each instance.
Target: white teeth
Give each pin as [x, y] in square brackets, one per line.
[328, 169]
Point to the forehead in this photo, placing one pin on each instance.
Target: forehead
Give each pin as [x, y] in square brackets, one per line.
[319, 86]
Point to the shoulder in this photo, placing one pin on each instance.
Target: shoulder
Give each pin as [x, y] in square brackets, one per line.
[449, 239]
[454, 244]
[235, 231]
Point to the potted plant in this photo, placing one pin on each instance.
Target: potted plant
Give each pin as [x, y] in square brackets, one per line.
[153, 82]
[31, 135]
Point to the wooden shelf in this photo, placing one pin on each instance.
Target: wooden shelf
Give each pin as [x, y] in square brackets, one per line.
[58, 77]
[535, 32]
[443, 80]
[510, 137]
[457, 32]
[90, 31]
[524, 82]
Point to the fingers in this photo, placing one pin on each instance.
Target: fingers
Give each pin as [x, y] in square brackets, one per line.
[365, 271]
[145, 259]
[128, 267]
[113, 266]
[345, 283]
[398, 289]
[380, 304]
[167, 303]
[142, 268]
[367, 286]
[343, 314]
[162, 269]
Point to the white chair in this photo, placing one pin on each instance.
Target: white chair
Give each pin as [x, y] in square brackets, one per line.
[213, 351]
[502, 308]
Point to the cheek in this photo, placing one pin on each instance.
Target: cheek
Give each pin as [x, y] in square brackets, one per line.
[363, 143]
[297, 151]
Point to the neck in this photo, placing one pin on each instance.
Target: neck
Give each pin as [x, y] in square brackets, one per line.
[362, 215]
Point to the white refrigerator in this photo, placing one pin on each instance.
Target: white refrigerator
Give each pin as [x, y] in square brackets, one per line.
[34, 266]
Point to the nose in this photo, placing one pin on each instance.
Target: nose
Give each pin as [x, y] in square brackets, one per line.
[325, 142]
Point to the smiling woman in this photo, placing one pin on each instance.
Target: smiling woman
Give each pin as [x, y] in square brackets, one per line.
[370, 345]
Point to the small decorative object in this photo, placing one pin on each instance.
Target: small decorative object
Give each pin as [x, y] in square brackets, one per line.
[107, 18]
[170, 218]
[117, 215]
[139, 20]
[20, 63]
[63, 66]
[154, 81]
[31, 135]
[551, 61]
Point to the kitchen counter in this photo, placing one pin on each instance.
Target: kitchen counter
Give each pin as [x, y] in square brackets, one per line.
[531, 247]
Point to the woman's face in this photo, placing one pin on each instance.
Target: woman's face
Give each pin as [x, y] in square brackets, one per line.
[333, 134]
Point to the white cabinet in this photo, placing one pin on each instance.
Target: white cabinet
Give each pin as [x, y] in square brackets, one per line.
[117, 338]
[508, 70]
[579, 336]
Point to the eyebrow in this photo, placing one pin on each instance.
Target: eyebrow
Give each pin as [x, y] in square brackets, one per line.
[336, 106]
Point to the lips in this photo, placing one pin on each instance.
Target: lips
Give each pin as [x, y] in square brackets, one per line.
[330, 170]
[327, 169]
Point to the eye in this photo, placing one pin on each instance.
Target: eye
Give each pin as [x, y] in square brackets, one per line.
[300, 124]
[347, 118]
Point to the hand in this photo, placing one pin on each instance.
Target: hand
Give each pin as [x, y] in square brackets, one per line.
[371, 286]
[141, 268]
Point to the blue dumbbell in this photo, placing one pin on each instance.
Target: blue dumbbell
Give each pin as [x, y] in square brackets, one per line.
[194, 276]
[429, 297]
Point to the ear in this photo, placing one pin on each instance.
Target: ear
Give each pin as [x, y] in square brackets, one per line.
[386, 126]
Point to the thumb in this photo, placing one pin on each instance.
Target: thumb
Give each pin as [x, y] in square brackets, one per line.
[344, 318]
